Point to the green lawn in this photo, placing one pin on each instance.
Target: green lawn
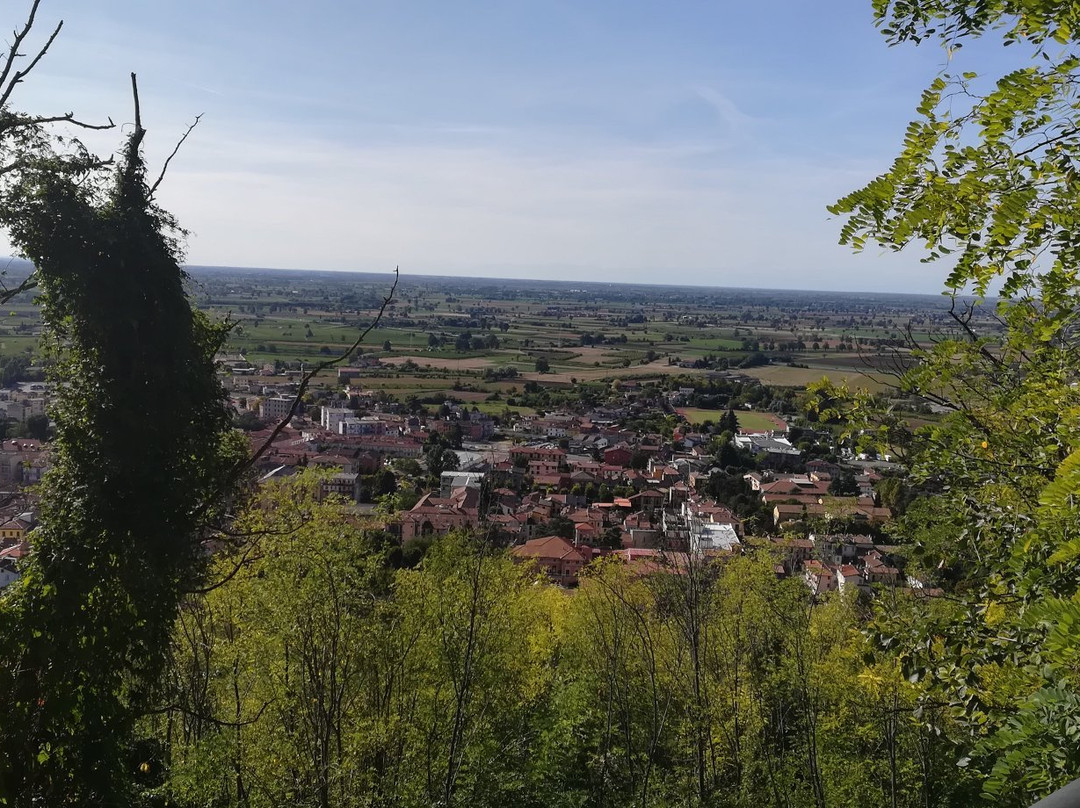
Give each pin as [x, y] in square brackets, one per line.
[748, 419]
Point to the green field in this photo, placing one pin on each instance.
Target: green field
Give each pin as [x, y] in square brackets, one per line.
[748, 419]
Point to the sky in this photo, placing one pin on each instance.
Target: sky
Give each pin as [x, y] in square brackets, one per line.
[685, 142]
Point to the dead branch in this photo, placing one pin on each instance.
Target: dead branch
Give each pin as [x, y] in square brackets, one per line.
[11, 77]
[165, 166]
[138, 114]
[306, 381]
[25, 285]
[68, 117]
[13, 54]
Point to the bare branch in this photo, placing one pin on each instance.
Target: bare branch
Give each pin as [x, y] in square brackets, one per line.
[209, 718]
[135, 97]
[964, 321]
[27, 283]
[306, 380]
[10, 78]
[168, 160]
[13, 52]
[67, 117]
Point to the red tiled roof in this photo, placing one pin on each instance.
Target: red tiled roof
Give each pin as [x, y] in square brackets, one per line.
[548, 547]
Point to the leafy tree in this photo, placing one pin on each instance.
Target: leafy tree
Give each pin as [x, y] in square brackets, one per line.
[986, 183]
[37, 427]
[138, 472]
[843, 484]
[558, 525]
[439, 456]
[729, 422]
[611, 538]
[249, 421]
[408, 466]
[13, 370]
[542, 365]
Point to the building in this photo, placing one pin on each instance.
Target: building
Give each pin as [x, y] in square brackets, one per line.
[275, 408]
[434, 516]
[709, 537]
[451, 480]
[555, 556]
[523, 454]
[345, 484]
[330, 417]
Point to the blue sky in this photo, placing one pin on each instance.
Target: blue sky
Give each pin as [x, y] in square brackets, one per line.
[669, 142]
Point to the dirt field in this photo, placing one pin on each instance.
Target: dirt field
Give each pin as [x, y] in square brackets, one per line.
[472, 363]
[593, 373]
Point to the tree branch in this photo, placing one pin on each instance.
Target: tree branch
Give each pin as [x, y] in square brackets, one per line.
[135, 96]
[168, 160]
[67, 117]
[13, 53]
[27, 283]
[306, 380]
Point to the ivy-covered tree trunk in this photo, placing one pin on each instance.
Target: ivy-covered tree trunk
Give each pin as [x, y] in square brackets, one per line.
[137, 469]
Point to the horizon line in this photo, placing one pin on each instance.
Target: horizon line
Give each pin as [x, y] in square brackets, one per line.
[196, 267]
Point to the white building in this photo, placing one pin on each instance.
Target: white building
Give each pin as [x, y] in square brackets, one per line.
[276, 407]
[332, 416]
[705, 536]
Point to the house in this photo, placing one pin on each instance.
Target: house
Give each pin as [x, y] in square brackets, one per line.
[14, 530]
[649, 499]
[784, 513]
[544, 468]
[523, 454]
[9, 573]
[795, 552]
[586, 533]
[819, 577]
[450, 480]
[877, 570]
[618, 455]
[435, 515]
[708, 537]
[343, 484]
[558, 559]
[848, 576]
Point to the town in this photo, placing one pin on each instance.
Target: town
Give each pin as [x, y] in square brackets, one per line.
[638, 455]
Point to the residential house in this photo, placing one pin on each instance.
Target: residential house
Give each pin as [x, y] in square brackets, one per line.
[555, 556]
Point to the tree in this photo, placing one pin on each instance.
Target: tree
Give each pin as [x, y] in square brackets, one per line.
[542, 365]
[140, 466]
[843, 484]
[249, 421]
[986, 183]
[37, 427]
[729, 422]
[439, 456]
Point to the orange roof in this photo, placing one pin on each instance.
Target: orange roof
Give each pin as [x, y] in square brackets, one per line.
[548, 547]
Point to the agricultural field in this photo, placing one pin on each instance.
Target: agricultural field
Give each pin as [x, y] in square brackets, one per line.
[495, 336]
[749, 420]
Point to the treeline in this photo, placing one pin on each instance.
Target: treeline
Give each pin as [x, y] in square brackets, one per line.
[318, 674]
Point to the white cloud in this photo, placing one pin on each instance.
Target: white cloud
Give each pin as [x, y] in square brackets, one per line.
[665, 214]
